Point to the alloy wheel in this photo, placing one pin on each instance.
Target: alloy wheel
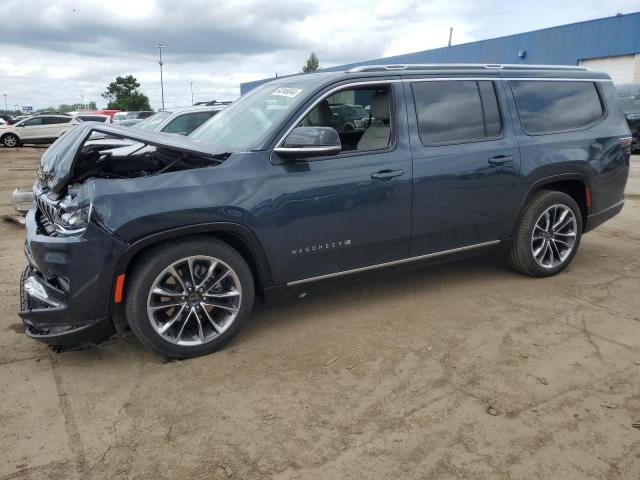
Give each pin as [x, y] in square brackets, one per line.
[10, 141]
[194, 300]
[554, 236]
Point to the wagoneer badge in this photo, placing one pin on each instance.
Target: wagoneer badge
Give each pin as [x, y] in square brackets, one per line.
[321, 247]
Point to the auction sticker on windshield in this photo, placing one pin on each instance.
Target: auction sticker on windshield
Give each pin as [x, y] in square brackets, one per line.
[287, 92]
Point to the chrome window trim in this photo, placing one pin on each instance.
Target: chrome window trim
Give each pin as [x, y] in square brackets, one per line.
[507, 79]
[389, 264]
[347, 85]
[344, 86]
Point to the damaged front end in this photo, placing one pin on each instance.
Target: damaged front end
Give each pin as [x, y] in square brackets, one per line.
[94, 150]
[66, 289]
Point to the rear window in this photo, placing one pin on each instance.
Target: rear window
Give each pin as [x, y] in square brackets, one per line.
[456, 111]
[92, 118]
[548, 106]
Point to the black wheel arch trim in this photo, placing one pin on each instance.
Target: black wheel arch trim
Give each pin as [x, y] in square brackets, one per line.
[548, 180]
[245, 235]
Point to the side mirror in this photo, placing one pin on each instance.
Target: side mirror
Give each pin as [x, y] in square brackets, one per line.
[306, 142]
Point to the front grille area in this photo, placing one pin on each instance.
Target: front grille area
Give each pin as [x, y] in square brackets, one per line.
[46, 215]
[48, 210]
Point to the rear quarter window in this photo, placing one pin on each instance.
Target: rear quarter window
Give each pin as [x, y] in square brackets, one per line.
[551, 107]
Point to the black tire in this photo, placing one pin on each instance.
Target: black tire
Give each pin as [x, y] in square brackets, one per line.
[521, 255]
[153, 263]
[10, 140]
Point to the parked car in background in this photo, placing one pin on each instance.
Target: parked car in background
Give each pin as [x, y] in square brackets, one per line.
[176, 236]
[349, 118]
[109, 112]
[181, 121]
[21, 117]
[629, 95]
[93, 117]
[130, 118]
[177, 121]
[36, 129]
[7, 119]
[212, 103]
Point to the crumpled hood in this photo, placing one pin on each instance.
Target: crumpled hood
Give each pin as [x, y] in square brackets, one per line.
[58, 161]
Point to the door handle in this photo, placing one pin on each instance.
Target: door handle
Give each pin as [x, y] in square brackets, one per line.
[386, 174]
[500, 160]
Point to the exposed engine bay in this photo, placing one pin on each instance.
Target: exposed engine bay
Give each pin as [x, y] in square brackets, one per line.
[94, 150]
[64, 197]
[100, 158]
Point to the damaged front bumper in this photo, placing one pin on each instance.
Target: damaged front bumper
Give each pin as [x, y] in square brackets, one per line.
[66, 288]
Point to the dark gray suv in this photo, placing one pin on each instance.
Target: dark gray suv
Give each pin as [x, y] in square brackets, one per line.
[175, 236]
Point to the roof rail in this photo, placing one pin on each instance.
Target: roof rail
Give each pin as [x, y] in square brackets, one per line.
[459, 66]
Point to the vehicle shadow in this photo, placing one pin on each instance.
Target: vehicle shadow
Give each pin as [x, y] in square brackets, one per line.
[332, 298]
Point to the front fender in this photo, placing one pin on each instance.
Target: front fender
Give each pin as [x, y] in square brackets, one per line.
[220, 229]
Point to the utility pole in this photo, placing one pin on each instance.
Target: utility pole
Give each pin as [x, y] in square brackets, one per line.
[82, 104]
[5, 102]
[191, 93]
[160, 46]
[450, 35]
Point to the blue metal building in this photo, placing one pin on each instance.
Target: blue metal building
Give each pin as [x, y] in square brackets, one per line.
[609, 44]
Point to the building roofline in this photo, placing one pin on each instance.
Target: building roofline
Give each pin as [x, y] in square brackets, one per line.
[386, 61]
[581, 22]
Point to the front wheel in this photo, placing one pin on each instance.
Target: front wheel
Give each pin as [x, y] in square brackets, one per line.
[189, 298]
[10, 140]
[548, 235]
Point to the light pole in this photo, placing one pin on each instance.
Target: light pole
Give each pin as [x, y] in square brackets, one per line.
[5, 102]
[191, 93]
[160, 46]
[82, 104]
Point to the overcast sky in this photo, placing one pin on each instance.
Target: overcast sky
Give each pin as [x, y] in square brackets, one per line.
[55, 51]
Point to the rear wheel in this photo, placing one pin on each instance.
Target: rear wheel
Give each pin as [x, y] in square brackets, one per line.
[10, 140]
[189, 298]
[548, 235]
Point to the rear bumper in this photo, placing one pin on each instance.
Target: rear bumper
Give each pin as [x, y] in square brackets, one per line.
[66, 289]
[599, 218]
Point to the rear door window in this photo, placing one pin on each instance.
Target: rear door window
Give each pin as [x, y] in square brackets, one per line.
[456, 111]
[55, 120]
[550, 106]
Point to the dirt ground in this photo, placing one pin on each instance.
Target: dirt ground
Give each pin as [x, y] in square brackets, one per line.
[465, 370]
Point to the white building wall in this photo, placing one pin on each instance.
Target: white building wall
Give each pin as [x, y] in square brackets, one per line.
[622, 69]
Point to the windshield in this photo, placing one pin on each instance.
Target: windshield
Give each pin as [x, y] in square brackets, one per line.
[247, 122]
[151, 124]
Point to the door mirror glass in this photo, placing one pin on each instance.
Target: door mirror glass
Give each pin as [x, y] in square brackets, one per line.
[305, 142]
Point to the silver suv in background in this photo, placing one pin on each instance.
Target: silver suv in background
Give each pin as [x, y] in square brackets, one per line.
[181, 121]
[126, 119]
